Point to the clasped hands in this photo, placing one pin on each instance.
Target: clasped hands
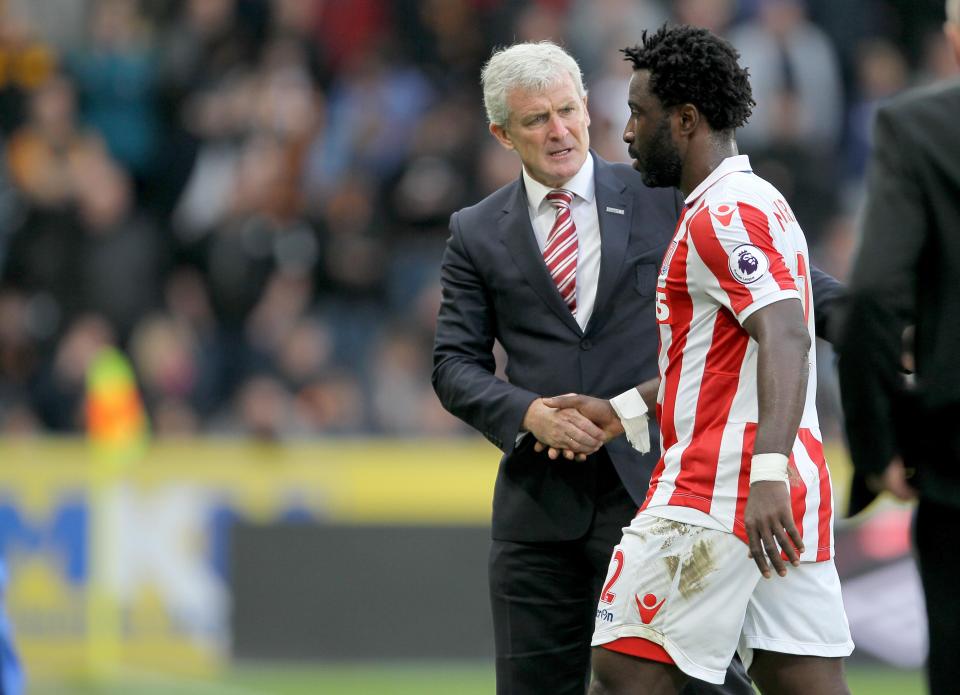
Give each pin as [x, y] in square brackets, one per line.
[572, 425]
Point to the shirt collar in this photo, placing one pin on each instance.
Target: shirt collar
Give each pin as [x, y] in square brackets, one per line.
[739, 162]
[580, 185]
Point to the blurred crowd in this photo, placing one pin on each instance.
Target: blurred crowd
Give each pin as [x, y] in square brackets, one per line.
[251, 197]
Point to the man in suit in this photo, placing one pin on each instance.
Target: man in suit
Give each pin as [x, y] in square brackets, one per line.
[905, 273]
[581, 321]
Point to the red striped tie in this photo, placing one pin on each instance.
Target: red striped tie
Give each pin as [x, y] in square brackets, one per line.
[560, 253]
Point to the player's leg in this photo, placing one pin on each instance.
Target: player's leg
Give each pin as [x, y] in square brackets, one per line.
[615, 510]
[666, 581]
[795, 633]
[792, 674]
[737, 682]
[622, 674]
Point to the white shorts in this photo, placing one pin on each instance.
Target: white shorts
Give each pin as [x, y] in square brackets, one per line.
[694, 591]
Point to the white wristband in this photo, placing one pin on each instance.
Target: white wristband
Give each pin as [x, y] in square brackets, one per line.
[768, 467]
[632, 411]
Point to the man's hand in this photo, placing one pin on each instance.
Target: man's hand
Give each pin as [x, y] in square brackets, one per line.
[562, 430]
[598, 411]
[895, 480]
[769, 518]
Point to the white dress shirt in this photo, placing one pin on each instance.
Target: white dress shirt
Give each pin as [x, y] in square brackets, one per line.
[584, 209]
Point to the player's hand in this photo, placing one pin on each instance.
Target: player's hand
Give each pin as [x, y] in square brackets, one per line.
[562, 430]
[769, 521]
[597, 410]
[895, 479]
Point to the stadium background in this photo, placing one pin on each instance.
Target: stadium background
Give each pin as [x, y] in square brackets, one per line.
[249, 199]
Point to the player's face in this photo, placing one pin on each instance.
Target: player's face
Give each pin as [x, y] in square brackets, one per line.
[549, 130]
[649, 136]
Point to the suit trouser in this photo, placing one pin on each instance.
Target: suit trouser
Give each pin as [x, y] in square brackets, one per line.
[544, 600]
[937, 526]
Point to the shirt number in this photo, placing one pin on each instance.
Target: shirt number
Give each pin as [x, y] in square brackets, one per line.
[663, 311]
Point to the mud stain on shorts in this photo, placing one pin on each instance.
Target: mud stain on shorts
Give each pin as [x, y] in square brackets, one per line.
[669, 527]
[697, 566]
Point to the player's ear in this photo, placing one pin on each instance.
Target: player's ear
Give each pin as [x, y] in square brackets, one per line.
[688, 118]
[502, 136]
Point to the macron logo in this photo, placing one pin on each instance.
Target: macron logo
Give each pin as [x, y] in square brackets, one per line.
[648, 608]
[724, 214]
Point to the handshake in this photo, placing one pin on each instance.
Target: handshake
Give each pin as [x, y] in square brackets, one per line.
[572, 425]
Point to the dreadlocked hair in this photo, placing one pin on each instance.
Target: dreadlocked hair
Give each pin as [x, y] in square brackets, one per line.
[689, 65]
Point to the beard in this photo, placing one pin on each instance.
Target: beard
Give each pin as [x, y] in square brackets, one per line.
[659, 164]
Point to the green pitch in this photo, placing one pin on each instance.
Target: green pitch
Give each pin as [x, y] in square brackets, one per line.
[395, 679]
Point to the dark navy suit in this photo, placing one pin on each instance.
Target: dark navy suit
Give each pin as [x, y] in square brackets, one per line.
[554, 522]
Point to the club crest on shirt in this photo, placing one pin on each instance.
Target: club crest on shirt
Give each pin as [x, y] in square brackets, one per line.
[748, 264]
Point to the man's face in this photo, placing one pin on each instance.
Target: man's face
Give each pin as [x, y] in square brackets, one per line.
[649, 136]
[548, 129]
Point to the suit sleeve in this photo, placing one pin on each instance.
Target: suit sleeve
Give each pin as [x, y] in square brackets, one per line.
[881, 297]
[829, 299]
[463, 361]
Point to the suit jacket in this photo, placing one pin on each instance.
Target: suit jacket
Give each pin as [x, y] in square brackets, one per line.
[906, 272]
[496, 287]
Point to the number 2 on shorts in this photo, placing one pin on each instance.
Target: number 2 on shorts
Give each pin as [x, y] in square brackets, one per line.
[607, 596]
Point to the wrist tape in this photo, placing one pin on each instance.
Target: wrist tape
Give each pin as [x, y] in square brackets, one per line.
[768, 467]
[632, 412]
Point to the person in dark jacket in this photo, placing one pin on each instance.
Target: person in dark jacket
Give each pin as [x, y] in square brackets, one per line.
[906, 274]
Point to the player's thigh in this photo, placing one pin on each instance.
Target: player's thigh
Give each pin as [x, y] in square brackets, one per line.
[795, 633]
[801, 613]
[622, 674]
[666, 581]
[795, 674]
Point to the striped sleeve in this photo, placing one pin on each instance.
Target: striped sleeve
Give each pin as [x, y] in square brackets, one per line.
[745, 269]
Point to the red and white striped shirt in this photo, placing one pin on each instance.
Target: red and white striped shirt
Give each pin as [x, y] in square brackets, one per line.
[737, 248]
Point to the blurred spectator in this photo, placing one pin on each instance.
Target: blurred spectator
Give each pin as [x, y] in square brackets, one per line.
[254, 195]
[597, 27]
[59, 22]
[60, 387]
[346, 29]
[121, 257]
[715, 15]
[795, 78]
[115, 79]
[881, 72]
[333, 403]
[448, 38]
[18, 362]
[48, 159]
[266, 409]
[296, 21]
[938, 62]
[27, 62]
[401, 398]
[202, 52]
[50, 152]
[608, 108]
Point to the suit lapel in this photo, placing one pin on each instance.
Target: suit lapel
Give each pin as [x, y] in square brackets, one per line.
[614, 233]
[516, 232]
